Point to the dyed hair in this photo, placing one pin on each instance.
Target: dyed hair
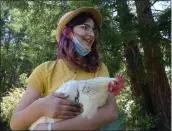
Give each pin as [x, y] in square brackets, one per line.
[66, 49]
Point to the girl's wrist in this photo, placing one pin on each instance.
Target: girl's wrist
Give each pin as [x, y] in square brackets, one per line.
[40, 106]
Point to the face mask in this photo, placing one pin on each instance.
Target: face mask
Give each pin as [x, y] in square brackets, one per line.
[79, 48]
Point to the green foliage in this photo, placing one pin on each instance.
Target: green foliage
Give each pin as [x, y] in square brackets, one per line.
[15, 61]
[111, 49]
[134, 118]
[23, 79]
[9, 104]
[164, 26]
[164, 23]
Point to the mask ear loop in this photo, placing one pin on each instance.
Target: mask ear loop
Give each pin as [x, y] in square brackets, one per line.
[73, 36]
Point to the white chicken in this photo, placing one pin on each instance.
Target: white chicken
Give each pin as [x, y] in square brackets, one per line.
[91, 93]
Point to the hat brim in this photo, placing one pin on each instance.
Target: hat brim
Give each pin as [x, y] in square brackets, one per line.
[62, 23]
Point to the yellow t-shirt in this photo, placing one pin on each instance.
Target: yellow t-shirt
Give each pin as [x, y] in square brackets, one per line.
[47, 77]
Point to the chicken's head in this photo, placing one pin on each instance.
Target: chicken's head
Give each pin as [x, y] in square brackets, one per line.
[116, 86]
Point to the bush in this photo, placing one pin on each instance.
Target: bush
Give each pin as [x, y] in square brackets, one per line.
[134, 118]
[9, 104]
[23, 79]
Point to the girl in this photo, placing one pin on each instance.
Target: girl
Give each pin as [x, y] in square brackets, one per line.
[78, 34]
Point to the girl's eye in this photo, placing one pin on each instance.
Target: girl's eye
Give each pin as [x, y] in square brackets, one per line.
[84, 27]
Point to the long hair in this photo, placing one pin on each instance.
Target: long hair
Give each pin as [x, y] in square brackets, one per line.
[66, 49]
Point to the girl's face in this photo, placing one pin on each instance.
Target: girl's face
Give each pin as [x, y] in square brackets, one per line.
[85, 33]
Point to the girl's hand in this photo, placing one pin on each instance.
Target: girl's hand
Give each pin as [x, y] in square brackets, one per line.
[56, 106]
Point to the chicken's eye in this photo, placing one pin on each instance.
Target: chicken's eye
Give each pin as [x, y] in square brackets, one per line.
[115, 82]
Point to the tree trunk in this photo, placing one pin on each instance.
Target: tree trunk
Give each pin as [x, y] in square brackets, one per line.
[157, 79]
[135, 68]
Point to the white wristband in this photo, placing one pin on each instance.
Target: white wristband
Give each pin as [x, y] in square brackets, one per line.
[49, 126]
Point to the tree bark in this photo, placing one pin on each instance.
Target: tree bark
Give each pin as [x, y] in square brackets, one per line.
[135, 68]
[157, 79]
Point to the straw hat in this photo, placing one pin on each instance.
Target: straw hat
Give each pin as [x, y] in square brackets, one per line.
[70, 15]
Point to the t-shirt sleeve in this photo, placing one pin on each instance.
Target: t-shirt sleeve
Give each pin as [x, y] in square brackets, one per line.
[37, 78]
[103, 71]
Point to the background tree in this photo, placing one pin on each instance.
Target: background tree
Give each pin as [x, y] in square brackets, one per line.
[157, 78]
[134, 59]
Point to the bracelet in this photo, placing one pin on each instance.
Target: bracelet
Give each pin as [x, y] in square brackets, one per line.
[49, 126]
